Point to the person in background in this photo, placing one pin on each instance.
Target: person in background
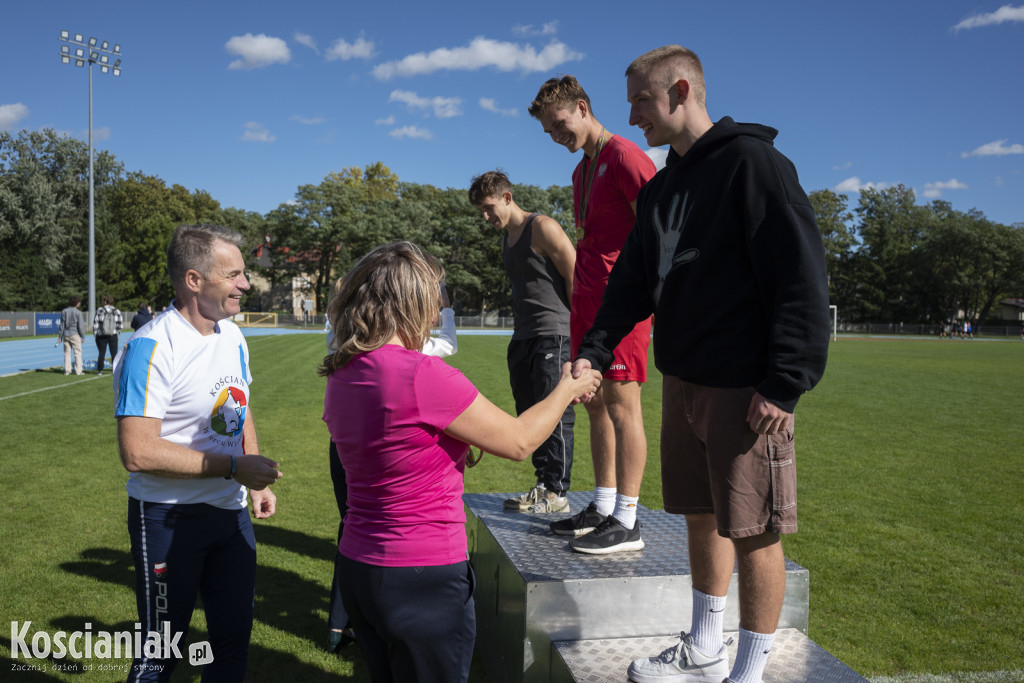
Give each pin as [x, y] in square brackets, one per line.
[141, 317]
[403, 423]
[72, 332]
[106, 326]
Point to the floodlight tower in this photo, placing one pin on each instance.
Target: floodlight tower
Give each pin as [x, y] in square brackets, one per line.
[77, 50]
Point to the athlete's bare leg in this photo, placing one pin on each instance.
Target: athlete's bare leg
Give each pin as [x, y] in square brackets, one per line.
[622, 401]
[602, 440]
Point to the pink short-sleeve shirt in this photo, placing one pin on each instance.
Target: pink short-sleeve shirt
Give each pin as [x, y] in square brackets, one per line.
[386, 411]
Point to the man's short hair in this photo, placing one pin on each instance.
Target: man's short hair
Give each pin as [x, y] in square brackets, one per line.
[108, 300]
[74, 301]
[560, 93]
[490, 184]
[667, 64]
[191, 248]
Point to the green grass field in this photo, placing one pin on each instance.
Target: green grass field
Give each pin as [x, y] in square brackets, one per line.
[911, 524]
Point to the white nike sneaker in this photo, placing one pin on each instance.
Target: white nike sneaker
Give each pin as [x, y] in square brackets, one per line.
[682, 663]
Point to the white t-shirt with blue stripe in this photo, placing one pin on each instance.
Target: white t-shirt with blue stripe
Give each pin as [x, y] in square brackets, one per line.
[198, 386]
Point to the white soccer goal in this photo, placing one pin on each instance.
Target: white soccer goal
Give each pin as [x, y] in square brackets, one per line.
[834, 314]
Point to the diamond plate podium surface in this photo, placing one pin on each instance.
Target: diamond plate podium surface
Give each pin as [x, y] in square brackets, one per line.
[534, 590]
[795, 658]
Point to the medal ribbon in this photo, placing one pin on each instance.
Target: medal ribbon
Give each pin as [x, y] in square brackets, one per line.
[581, 211]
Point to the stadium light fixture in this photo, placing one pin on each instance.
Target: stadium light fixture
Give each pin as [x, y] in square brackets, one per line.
[90, 52]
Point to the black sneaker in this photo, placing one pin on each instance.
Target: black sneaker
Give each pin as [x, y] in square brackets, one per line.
[609, 537]
[583, 522]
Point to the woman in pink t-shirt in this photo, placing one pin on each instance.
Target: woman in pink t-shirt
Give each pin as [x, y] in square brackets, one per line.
[402, 423]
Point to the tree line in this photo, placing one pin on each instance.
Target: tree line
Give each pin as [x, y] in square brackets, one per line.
[889, 259]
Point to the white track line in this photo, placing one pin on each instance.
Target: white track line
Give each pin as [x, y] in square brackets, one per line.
[55, 386]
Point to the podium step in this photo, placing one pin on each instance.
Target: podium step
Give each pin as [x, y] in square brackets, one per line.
[795, 658]
[533, 590]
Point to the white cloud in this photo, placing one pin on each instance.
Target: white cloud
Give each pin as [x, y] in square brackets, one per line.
[386, 121]
[411, 132]
[257, 51]
[307, 40]
[933, 190]
[1001, 15]
[994, 149]
[444, 107]
[307, 120]
[256, 132]
[490, 104]
[658, 156]
[11, 114]
[342, 49]
[854, 184]
[548, 29]
[842, 167]
[100, 133]
[999, 181]
[481, 52]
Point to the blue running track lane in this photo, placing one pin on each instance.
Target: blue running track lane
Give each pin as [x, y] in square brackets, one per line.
[24, 355]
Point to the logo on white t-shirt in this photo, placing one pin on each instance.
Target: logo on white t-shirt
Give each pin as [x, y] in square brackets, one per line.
[228, 415]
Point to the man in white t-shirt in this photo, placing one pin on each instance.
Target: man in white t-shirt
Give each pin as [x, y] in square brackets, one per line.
[187, 437]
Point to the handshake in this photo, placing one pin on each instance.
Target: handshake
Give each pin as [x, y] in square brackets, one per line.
[585, 381]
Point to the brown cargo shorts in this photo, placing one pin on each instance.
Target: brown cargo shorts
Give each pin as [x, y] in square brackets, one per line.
[712, 463]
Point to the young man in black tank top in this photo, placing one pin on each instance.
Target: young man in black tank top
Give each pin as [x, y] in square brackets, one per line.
[539, 259]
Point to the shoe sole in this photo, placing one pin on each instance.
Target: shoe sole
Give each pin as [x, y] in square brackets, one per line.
[575, 532]
[549, 512]
[673, 678]
[620, 548]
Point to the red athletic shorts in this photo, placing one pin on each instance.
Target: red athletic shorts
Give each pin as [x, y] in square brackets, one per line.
[630, 363]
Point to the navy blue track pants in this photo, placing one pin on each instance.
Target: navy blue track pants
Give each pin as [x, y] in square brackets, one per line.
[181, 551]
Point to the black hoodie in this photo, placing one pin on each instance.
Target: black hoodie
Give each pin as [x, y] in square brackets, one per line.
[727, 255]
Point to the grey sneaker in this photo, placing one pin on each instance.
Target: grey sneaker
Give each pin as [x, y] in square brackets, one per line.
[550, 502]
[682, 663]
[522, 503]
[583, 522]
[609, 537]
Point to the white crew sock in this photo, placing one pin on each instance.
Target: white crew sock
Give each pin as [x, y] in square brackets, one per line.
[625, 510]
[604, 499]
[751, 656]
[706, 622]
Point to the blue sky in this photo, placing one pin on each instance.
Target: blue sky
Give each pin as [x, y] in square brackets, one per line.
[250, 100]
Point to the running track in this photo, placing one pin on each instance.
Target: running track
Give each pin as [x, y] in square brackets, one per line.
[24, 355]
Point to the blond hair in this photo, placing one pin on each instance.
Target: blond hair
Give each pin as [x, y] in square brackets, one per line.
[667, 64]
[393, 290]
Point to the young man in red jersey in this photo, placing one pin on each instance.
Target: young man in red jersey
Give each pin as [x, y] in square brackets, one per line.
[605, 184]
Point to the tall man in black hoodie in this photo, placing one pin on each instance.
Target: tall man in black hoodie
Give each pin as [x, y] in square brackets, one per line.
[727, 255]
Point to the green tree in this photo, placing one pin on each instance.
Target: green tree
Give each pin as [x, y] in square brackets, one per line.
[326, 228]
[834, 221]
[146, 212]
[890, 229]
[44, 221]
[469, 248]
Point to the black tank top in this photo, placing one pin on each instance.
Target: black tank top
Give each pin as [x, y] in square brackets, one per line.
[538, 289]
